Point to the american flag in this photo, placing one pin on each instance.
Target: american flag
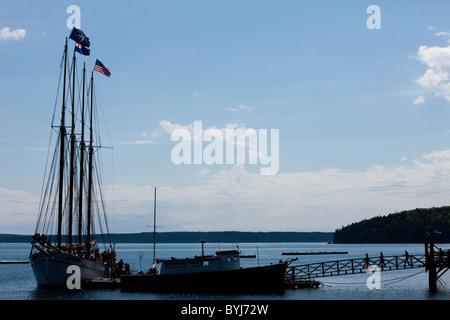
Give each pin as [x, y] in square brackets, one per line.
[101, 68]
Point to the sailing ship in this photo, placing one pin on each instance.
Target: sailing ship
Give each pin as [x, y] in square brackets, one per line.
[71, 199]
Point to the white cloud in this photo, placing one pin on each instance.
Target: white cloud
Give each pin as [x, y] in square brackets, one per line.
[7, 34]
[144, 141]
[438, 156]
[220, 134]
[442, 33]
[436, 77]
[240, 107]
[237, 199]
[419, 100]
[170, 127]
[155, 133]
[19, 211]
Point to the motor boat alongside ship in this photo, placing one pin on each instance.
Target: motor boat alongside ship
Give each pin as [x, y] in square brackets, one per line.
[221, 272]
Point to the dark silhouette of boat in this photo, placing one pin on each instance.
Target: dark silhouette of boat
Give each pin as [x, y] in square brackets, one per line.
[208, 273]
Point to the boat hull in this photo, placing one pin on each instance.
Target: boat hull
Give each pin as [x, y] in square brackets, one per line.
[50, 268]
[268, 278]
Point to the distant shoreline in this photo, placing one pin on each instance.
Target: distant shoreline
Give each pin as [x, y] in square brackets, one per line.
[197, 236]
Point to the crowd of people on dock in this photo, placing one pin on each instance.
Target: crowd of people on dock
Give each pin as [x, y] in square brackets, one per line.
[118, 269]
[381, 263]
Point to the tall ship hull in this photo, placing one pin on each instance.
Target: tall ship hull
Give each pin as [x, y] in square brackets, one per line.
[50, 268]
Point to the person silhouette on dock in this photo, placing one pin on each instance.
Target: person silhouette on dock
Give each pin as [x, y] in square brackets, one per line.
[366, 261]
[113, 272]
[382, 264]
[406, 259]
[120, 267]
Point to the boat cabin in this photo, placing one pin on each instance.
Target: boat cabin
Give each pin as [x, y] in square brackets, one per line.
[223, 260]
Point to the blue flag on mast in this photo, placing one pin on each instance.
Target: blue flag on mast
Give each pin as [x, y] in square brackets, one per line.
[78, 36]
[82, 49]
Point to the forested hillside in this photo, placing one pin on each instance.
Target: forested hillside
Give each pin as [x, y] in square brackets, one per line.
[412, 226]
[196, 237]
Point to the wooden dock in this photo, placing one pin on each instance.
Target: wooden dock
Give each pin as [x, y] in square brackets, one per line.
[102, 283]
[301, 284]
[312, 253]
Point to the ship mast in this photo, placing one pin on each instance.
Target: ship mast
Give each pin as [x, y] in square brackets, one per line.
[62, 134]
[91, 152]
[154, 230]
[72, 154]
[82, 148]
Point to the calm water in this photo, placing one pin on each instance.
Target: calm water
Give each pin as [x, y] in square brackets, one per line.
[17, 281]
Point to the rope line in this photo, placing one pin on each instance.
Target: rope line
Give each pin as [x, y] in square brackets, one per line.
[390, 281]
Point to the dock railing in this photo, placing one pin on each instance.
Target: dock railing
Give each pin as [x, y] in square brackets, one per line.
[353, 266]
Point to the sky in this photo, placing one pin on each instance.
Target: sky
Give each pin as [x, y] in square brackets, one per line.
[360, 100]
